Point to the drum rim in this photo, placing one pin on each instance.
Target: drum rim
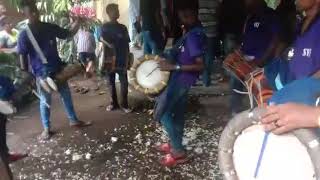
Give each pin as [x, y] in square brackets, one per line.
[133, 78]
[244, 120]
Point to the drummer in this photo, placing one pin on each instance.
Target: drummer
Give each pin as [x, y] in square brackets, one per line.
[46, 34]
[305, 62]
[184, 75]
[260, 36]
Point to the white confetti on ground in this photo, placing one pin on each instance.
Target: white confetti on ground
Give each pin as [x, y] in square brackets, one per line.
[126, 153]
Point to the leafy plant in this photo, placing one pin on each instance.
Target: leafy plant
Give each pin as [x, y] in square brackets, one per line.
[51, 10]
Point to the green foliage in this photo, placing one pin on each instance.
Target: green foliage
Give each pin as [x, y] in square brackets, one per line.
[51, 10]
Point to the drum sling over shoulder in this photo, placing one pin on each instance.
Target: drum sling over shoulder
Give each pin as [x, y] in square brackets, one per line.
[36, 45]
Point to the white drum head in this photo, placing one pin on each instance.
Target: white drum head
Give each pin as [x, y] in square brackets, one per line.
[285, 158]
[7, 108]
[149, 75]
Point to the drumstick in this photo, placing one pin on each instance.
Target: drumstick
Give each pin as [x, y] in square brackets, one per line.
[38, 96]
[263, 148]
[152, 71]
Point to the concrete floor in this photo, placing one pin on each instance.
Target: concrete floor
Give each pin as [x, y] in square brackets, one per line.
[118, 145]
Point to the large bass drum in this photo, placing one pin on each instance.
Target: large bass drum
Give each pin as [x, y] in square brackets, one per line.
[293, 156]
[146, 76]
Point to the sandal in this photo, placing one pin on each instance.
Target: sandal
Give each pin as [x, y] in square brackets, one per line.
[111, 108]
[170, 161]
[16, 157]
[164, 148]
[80, 124]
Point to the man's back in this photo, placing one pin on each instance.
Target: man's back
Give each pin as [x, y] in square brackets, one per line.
[117, 35]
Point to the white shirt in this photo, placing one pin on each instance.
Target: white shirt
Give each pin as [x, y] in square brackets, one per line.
[85, 41]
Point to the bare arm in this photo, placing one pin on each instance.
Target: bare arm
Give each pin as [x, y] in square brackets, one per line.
[198, 66]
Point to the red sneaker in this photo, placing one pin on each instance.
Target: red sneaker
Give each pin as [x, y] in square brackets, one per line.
[170, 161]
[164, 148]
[16, 157]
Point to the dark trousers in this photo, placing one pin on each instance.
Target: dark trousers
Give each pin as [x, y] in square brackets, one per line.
[5, 172]
[123, 88]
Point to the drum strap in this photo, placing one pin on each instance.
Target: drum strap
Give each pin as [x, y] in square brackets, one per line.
[36, 45]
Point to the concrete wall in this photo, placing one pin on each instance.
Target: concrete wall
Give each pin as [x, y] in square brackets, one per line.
[100, 6]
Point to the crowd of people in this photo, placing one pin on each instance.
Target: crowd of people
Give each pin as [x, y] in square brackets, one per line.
[260, 33]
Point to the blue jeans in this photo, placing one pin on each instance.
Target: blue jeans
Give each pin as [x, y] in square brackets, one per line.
[173, 118]
[45, 98]
[150, 44]
[209, 59]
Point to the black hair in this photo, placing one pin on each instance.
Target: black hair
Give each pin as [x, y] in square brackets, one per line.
[191, 6]
[111, 7]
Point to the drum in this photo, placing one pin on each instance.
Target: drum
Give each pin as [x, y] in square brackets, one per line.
[68, 72]
[251, 76]
[238, 66]
[293, 156]
[258, 86]
[146, 76]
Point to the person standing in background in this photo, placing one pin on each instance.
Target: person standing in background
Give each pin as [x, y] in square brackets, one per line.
[116, 41]
[134, 13]
[86, 46]
[208, 15]
[260, 39]
[152, 27]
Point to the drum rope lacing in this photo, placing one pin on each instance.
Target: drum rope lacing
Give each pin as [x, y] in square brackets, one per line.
[249, 85]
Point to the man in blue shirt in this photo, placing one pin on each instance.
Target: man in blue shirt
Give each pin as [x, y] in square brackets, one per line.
[260, 37]
[45, 35]
[185, 71]
[304, 61]
[116, 39]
